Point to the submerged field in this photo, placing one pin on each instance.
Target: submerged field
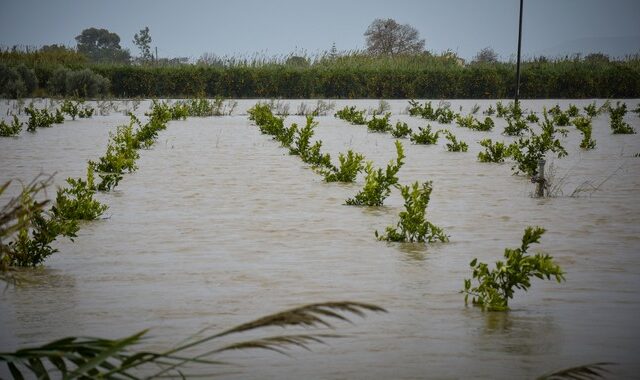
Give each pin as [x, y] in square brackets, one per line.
[219, 225]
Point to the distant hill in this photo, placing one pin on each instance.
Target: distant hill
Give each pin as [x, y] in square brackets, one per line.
[612, 46]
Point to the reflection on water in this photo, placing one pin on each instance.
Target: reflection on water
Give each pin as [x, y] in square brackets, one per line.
[220, 225]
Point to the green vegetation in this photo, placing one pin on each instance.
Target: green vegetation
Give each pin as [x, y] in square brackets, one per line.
[352, 115]
[41, 118]
[380, 125]
[75, 109]
[413, 226]
[493, 152]
[489, 111]
[532, 118]
[616, 116]
[401, 130]
[591, 110]
[465, 121]
[583, 124]
[573, 111]
[484, 126]
[515, 126]
[76, 202]
[560, 118]
[528, 151]
[97, 358]
[424, 136]
[13, 129]
[442, 114]
[454, 145]
[377, 186]
[350, 166]
[496, 286]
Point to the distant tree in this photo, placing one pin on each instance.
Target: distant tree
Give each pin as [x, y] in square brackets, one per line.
[143, 42]
[596, 58]
[100, 45]
[486, 55]
[387, 37]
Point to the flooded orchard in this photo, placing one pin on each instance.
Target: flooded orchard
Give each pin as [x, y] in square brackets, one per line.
[220, 225]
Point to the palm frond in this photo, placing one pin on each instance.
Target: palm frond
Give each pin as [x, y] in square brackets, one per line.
[583, 372]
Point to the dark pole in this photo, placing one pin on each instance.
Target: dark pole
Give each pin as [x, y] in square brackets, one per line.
[518, 62]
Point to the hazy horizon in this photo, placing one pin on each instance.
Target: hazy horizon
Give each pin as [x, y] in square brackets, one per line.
[249, 27]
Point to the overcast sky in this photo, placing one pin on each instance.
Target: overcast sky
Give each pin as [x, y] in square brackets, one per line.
[188, 28]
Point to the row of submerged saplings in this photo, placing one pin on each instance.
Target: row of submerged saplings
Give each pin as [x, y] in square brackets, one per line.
[494, 287]
[412, 227]
[31, 244]
[43, 118]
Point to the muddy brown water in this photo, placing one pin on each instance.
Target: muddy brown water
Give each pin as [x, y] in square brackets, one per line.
[220, 225]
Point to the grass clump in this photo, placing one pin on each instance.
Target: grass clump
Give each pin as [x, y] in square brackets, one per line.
[377, 186]
[496, 286]
[13, 129]
[424, 136]
[413, 225]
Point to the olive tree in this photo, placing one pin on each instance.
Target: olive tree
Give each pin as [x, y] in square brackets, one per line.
[387, 37]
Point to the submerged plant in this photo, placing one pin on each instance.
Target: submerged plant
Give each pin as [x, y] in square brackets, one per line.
[413, 225]
[475, 109]
[616, 115]
[350, 166]
[98, 358]
[401, 130]
[496, 286]
[377, 186]
[424, 136]
[515, 127]
[493, 152]
[40, 119]
[352, 115]
[489, 111]
[528, 151]
[484, 126]
[573, 111]
[454, 145]
[465, 121]
[76, 202]
[70, 108]
[13, 129]
[591, 110]
[379, 124]
[583, 124]
[532, 118]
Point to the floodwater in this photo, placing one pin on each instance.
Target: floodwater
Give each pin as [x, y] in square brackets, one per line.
[220, 225]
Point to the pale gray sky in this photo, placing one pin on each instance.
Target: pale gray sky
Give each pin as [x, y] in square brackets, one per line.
[243, 27]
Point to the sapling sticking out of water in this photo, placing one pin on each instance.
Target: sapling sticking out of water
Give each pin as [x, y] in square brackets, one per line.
[573, 111]
[401, 130]
[591, 110]
[616, 115]
[489, 111]
[76, 202]
[379, 124]
[377, 186]
[454, 145]
[465, 121]
[302, 140]
[493, 152]
[352, 115]
[496, 286]
[13, 129]
[413, 225]
[583, 124]
[560, 118]
[350, 166]
[424, 136]
[70, 108]
[501, 110]
[515, 127]
[528, 151]
[475, 109]
[484, 126]
[532, 118]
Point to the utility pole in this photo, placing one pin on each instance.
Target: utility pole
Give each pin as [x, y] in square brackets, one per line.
[517, 98]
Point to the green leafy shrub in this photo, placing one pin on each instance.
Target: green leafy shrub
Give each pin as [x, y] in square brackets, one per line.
[573, 111]
[377, 186]
[442, 114]
[501, 110]
[532, 118]
[76, 202]
[13, 129]
[484, 126]
[515, 127]
[528, 151]
[70, 108]
[17, 82]
[401, 130]
[616, 116]
[86, 84]
[465, 121]
[583, 124]
[560, 118]
[454, 145]
[445, 115]
[424, 136]
[591, 110]
[493, 152]
[39, 118]
[350, 166]
[352, 115]
[413, 225]
[120, 157]
[380, 125]
[496, 286]
[38, 230]
[489, 111]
